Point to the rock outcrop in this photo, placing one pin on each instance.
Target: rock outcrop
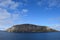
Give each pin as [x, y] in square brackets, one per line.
[30, 28]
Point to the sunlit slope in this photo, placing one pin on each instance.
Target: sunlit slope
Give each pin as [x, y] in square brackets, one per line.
[30, 28]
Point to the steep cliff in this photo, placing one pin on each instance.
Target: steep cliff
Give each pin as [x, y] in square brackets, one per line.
[30, 28]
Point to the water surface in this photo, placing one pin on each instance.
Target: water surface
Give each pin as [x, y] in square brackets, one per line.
[30, 36]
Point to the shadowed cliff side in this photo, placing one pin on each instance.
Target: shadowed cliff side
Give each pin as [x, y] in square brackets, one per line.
[30, 28]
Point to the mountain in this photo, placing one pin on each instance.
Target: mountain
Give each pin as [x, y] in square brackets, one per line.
[30, 28]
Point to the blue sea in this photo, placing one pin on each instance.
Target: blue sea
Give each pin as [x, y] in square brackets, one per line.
[30, 36]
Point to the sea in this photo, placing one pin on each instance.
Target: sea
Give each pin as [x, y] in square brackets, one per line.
[30, 36]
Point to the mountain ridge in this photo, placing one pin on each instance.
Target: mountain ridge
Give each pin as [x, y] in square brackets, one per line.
[30, 28]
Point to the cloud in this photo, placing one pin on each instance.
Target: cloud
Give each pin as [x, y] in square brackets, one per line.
[4, 14]
[54, 3]
[7, 17]
[8, 4]
[49, 3]
[24, 10]
[56, 26]
[55, 23]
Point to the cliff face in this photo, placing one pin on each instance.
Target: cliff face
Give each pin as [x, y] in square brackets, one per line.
[30, 28]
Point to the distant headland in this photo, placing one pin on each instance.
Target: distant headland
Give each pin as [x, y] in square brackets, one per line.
[30, 28]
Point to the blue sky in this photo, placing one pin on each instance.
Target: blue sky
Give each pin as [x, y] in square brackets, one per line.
[39, 12]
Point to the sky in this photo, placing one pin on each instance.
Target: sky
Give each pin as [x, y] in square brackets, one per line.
[39, 12]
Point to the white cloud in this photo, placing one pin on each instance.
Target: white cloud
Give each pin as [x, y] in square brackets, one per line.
[49, 3]
[15, 16]
[4, 14]
[24, 10]
[6, 17]
[53, 3]
[9, 21]
[14, 5]
[9, 18]
[8, 4]
[56, 26]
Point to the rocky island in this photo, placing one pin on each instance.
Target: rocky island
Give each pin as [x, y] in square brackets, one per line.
[30, 28]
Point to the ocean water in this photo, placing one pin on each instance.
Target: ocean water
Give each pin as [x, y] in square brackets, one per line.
[30, 36]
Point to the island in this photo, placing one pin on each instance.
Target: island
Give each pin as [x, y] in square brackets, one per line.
[30, 28]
